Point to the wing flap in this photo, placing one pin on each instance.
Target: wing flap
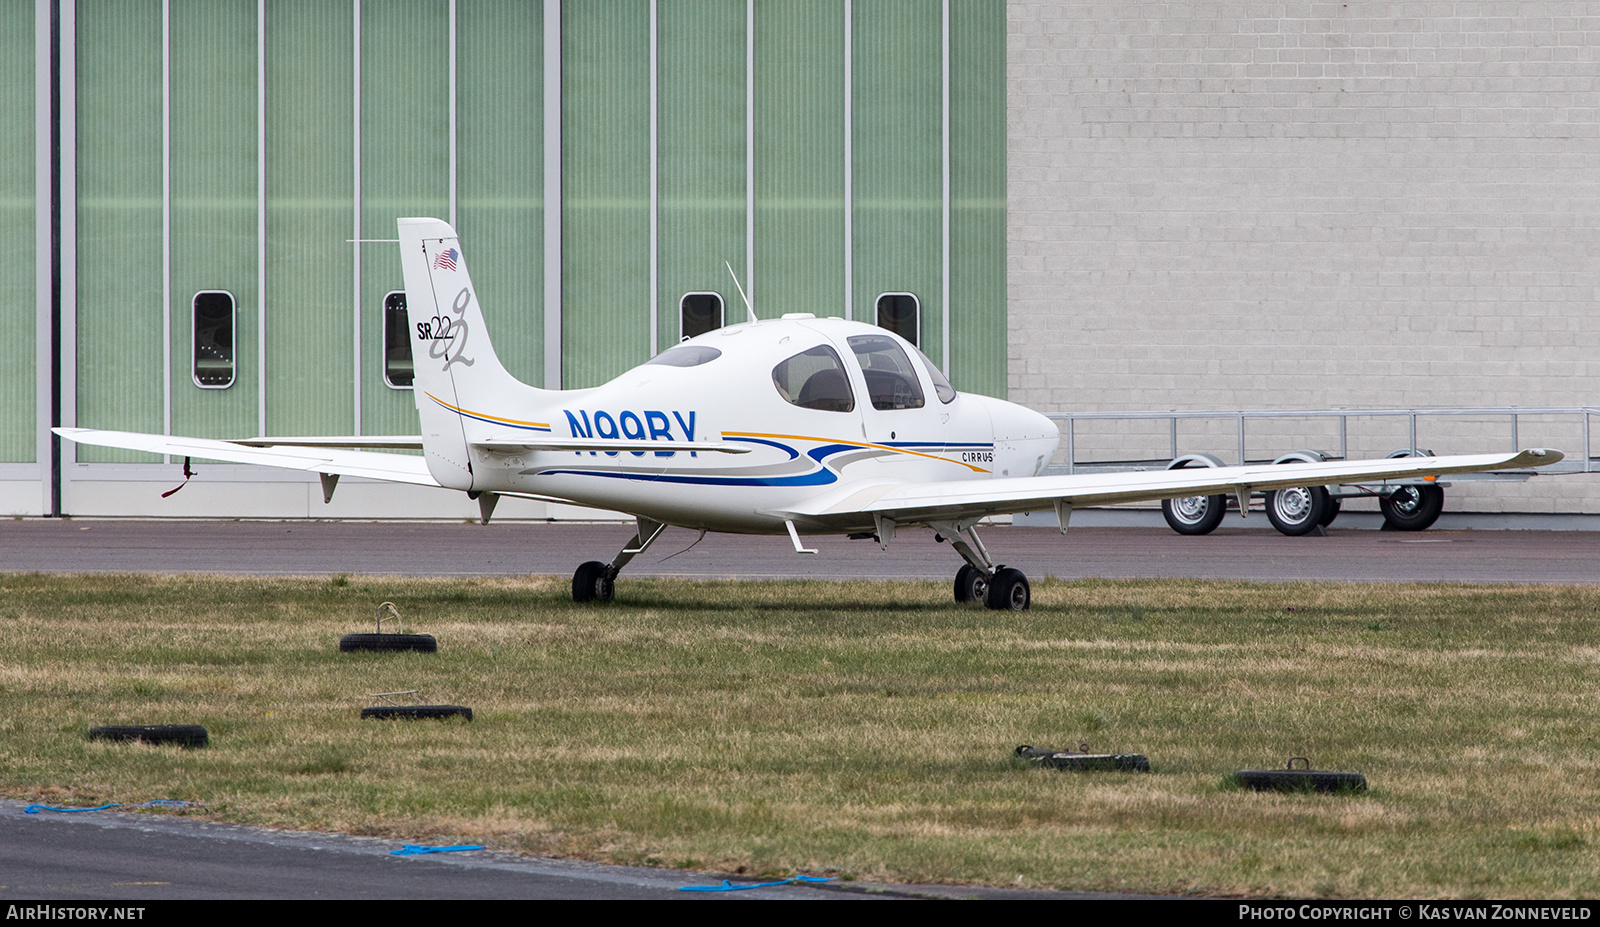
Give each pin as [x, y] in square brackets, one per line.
[396, 468]
[960, 498]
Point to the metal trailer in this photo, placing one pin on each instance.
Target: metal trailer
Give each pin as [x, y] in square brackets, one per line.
[1407, 504]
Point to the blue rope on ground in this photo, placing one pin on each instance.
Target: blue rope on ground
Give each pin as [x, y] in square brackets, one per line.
[35, 809]
[414, 849]
[154, 803]
[727, 886]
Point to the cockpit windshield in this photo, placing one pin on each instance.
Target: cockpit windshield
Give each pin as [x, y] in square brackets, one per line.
[941, 385]
[891, 380]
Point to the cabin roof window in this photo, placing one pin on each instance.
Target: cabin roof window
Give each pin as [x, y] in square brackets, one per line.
[685, 355]
[815, 379]
[891, 380]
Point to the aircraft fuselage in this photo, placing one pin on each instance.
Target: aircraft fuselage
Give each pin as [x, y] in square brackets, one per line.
[795, 451]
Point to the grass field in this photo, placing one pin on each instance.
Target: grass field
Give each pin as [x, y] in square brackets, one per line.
[863, 730]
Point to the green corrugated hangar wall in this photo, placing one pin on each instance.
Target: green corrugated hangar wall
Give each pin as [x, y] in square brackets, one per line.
[830, 152]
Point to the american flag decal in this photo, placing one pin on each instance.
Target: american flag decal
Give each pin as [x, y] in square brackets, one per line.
[446, 259]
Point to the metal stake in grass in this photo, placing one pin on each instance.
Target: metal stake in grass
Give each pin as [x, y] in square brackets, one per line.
[385, 695]
[392, 610]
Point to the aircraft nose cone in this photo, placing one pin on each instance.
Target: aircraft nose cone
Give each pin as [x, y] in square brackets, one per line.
[1019, 423]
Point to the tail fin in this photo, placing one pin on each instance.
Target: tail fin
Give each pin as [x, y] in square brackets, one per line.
[461, 388]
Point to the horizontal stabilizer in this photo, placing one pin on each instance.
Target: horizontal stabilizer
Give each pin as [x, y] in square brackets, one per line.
[399, 468]
[391, 442]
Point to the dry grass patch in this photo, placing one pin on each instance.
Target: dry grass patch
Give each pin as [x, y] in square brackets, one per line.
[861, 729]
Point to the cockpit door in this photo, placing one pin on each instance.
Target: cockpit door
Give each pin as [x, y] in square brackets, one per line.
[898, 411]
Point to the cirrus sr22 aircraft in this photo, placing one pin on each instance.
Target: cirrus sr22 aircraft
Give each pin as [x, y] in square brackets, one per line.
[797, 426]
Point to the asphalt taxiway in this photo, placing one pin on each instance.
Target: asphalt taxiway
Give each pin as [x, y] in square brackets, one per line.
[511, 548]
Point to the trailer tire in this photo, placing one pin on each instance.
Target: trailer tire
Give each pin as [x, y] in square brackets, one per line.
[1412, 508]
[1194, 515]
[1332, 512]
[1297, 511]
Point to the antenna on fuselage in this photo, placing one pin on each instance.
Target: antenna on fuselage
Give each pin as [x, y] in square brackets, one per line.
[747, 307]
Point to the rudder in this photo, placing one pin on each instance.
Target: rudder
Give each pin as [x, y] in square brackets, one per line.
[458, 378]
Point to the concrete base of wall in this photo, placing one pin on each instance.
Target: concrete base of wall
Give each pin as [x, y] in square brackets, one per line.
[111, 490]
[1449, 521]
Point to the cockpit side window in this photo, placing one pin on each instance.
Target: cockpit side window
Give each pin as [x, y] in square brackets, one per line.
[891, 380]
[815, 379]
[941, 384]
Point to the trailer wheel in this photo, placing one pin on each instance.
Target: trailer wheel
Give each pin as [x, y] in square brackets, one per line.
[1194, 514]
[1332, 511]
[1412, 508]
[1297, 511]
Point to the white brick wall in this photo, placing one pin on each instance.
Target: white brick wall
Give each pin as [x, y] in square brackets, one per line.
[1308, 204]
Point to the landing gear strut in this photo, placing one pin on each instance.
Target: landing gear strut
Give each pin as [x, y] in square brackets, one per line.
[981, 579]
[597, 582]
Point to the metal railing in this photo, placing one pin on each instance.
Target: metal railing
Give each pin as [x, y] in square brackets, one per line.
[1574, 463]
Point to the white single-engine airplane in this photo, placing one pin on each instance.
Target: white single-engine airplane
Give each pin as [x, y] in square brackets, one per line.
[799, 425]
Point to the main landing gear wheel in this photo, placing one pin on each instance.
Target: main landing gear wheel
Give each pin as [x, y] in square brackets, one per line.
[971, 584]
[1008, 591]
[593, 582]
[1412, 508]
[1297, 511]
[1194, 514]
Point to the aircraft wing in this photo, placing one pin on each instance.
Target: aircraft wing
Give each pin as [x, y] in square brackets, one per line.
[610, 445]
[399, 468]
[912, 502]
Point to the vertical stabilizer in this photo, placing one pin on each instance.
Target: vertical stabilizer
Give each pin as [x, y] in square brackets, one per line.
[460, 386]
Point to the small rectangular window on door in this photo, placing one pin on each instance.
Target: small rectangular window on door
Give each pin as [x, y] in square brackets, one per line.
[699, 313]
[213, 343]
[397, 366]
[901, 314]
